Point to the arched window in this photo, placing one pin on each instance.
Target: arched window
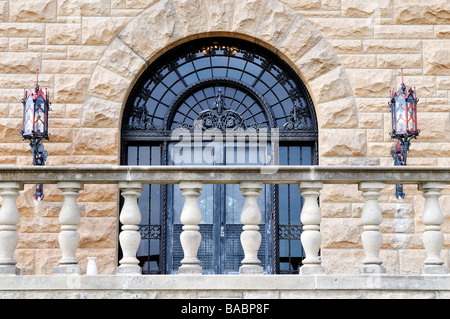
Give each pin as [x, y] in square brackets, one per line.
[227, 85]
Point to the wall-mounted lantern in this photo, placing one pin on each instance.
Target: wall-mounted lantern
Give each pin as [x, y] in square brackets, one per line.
[403, 106]
[35, 125]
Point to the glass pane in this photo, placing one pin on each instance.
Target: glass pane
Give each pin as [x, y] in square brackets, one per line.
[132, 155]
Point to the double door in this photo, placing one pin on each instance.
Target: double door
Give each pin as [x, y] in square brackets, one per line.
[221, 205]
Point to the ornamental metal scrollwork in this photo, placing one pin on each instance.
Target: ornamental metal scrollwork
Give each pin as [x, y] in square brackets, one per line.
[220, 116]
[140, 119]
[299, 119]
[289, 231]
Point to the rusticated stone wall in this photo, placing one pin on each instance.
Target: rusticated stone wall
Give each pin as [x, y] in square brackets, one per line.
[348, 52]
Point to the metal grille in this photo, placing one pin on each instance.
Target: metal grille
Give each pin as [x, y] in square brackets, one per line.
[205, 251]
[234, 253]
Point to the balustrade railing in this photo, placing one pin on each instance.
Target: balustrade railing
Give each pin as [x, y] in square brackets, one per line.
[130, 180]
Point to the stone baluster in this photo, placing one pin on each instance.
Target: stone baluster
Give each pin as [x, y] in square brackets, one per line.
[250, 236]
[371, 218]
[130, 238]
[190, 237]
[311, 237]
[9, 218]
[433, 239]
[69, 238]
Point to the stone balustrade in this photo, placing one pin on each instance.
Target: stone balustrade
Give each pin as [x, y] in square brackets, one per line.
[310, 180]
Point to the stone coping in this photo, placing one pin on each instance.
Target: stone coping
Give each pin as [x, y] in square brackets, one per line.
[224, 174]
[224, 282]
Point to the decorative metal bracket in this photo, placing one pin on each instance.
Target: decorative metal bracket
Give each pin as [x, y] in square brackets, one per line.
[39, 158]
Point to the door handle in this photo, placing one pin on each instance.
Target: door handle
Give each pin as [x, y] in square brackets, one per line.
[222, 231]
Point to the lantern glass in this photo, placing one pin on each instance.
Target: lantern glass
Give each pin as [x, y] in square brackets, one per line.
[399, 121]
[28, 117]
[39, 117]
[412, 115]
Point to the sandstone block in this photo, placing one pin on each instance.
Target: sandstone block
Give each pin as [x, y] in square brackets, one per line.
[100, 113]
[303, 5]
[318, 61]
[338, 114]
[301, 37]
[397, 61]
[247, 15]
[422, 12]
[362, 8]
[219, 14]
[333, 85]
[339, 28]
[99, 193]
[403, 31]
[19, 62]
[139, 4]
[85, 52]
[18, 44]
[357, 61]
[103, 209]
[443, 82]
[108, 85]
[152, 30]
[9, 129]
[348, 236]
[69, 66]
[101, 30]
[70, 88]
[95, 141]
[425, 85]
[442, 31]
[346, 46]
[63, 33]
[120, 59]
[392, 46]
[342, 142]
[436, 56]
[437, 132]
[83, 7]
[330, 5]
[371, 83]
[370, 120]
[32, 11]
[98, 232]
[276, 21]
[22, 29]
[4, 10]
[192, 15]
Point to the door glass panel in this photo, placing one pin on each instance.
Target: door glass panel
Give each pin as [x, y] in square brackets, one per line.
[290, 204]
[149, 203]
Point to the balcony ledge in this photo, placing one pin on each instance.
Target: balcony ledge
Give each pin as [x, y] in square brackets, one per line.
[225, 286]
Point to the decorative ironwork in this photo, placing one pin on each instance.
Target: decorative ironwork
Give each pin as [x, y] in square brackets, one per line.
[289, 231]
[299, 119]
[152, 100]
[150, 231]
[220, 116]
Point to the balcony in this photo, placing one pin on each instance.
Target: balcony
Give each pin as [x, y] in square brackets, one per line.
[314, 279]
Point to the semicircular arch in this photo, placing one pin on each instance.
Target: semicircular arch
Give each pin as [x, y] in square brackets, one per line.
[269, 23]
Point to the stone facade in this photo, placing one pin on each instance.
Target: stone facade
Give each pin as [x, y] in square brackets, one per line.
[348, 53]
